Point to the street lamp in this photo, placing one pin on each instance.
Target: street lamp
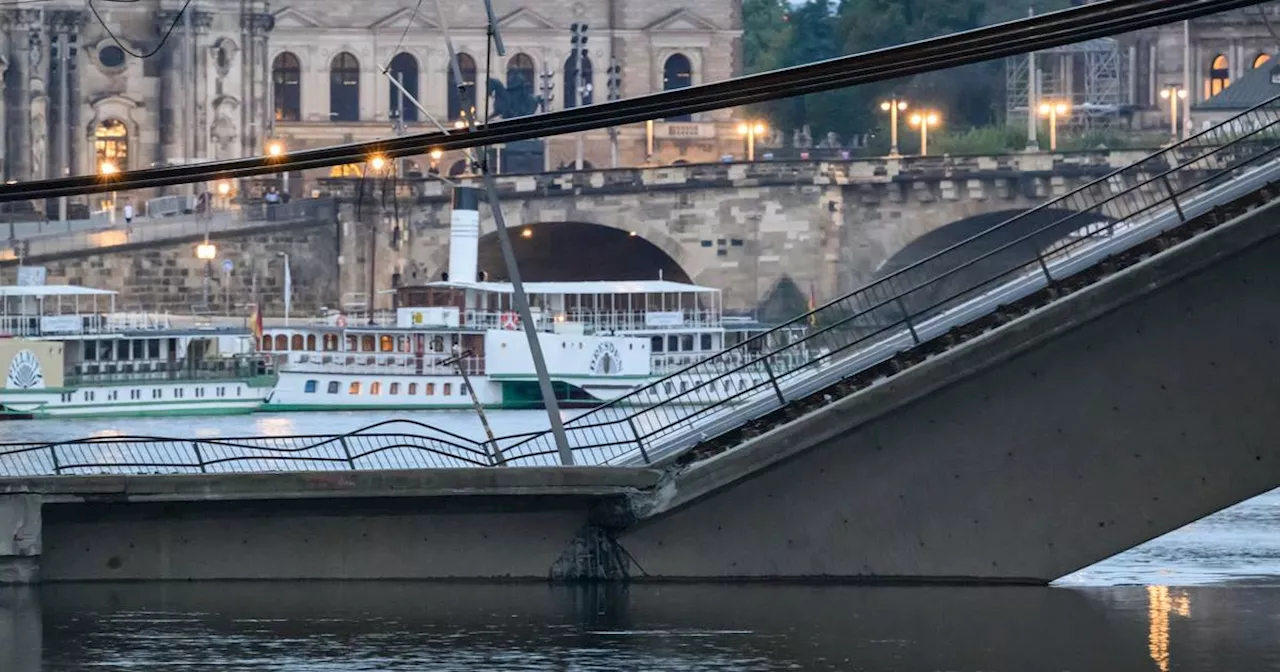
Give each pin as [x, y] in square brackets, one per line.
[378, 162]
[224, 191]
[893, 106]
[276, 151]
[206, 252]
[1053, 110]
[923, 120]
[108, 170]
[749, 130]
[1173, 93]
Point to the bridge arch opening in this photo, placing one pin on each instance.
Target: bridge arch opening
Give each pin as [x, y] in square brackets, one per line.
[982, 260]
[577, 252]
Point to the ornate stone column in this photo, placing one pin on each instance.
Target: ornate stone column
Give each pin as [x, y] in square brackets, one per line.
[171, 121]
[5, 58]
[27, 46]
[197, 60]
[256, 102]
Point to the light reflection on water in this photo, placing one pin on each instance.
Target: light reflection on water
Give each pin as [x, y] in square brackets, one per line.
[1206, 597]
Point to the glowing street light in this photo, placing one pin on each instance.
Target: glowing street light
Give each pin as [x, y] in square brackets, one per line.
[1053, 110]
[378, 162]
[526, 232]
[436, 154]
[893, 106]
[275, 150]
[750, 130]
[206, 251]
[923, 120]
[108, 170]
[1173, 93]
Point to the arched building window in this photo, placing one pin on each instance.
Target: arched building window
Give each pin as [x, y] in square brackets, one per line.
[1260, 59]
[520, 75]
[404, 67]
[1219, 75]
[344, 88]
[571, 81]
[282, 343]
[286, 83]
[111, 146]
[677, 73]
[462, 103]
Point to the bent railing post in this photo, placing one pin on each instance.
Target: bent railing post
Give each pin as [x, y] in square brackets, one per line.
[1173, 198]
[346, 450]
[199, 457]
[906, 317]
[773, 380]
[53, 456]
[639, 441]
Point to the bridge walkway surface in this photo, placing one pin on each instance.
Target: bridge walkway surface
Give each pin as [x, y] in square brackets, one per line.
[1018, 406]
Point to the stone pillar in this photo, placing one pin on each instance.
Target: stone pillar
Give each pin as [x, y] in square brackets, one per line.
[5, 59]
[20, 539]
[21, 629]
[198, 65]
[171, 121]
[27, 49]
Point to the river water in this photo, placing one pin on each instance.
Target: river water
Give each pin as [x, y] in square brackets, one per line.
[1206, 597]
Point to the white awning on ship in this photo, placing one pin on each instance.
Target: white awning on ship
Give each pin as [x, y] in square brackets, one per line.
[51, 290]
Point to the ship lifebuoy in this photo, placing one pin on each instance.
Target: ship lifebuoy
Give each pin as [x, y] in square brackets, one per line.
[342, 321]
[510, 321]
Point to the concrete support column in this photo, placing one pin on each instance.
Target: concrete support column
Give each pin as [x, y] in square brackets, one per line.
[21, 629]
[20, 539]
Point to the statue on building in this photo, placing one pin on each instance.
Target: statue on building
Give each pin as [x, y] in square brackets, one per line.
[513, 101]
[39, 136]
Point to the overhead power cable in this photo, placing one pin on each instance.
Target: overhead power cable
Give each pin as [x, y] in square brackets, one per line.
[1044, 31]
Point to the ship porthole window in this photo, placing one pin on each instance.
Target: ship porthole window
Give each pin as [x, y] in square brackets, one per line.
[111, 56]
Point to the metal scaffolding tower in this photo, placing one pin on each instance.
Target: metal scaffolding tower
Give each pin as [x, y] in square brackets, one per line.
[1091, 75]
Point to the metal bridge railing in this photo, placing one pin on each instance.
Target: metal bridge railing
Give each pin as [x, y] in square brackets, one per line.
[849, 335]
[396, 444]
[929, 298]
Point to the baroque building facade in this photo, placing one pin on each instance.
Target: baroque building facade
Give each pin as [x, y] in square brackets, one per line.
[235, 76]
[1219, 49]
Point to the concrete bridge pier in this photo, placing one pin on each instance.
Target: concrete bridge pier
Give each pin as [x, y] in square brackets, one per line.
[20, 540]
[21, 629]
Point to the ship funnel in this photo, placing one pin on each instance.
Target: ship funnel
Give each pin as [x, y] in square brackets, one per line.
[464, 234]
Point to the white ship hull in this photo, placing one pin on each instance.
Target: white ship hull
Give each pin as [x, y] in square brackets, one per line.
[177, 398]
[303, 391]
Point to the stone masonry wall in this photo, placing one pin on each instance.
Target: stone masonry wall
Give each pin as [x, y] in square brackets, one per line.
[169, 278]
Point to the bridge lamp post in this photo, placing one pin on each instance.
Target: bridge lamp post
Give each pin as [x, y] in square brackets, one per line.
[276, 151]
[893, 107]
[1173, 93]
[108, 171]
[224, 191]
[1053, 111]
[923, 120]
[749, 130]
[206, 252]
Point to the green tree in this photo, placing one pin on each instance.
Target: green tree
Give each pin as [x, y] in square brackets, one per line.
[766, 33]
[968, 96]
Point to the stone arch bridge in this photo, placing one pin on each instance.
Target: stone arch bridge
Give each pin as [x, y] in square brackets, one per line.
[745, 228]
[828, 227]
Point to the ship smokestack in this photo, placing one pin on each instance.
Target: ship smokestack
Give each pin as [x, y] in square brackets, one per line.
[464, 234]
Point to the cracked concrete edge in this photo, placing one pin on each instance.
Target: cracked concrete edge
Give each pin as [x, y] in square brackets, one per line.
[682, 486]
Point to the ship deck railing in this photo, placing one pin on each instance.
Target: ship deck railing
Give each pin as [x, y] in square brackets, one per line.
[79, 324]
[241, 371]
[366, 363]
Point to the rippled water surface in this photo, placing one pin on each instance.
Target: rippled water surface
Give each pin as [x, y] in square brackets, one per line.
[1206, 597]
